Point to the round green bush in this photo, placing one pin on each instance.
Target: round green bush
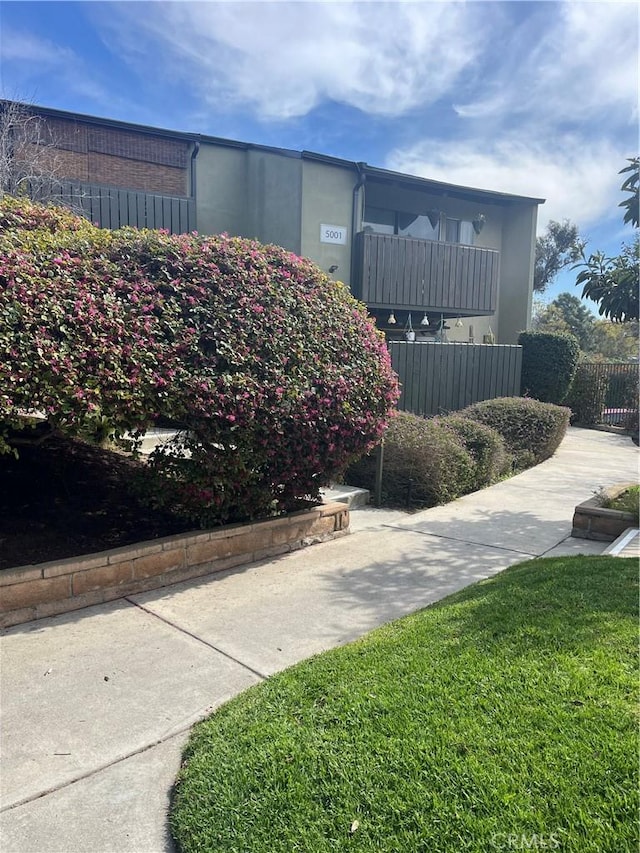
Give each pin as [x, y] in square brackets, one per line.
[549, 362]
[532, 431]
[486, 447]
[274, 373]
[425, 463]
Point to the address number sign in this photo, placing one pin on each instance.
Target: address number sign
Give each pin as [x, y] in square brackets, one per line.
[333, 234]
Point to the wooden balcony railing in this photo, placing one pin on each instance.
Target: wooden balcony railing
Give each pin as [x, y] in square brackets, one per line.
[423, 275]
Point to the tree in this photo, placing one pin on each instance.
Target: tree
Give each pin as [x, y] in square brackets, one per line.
[560, 246]
[614, 341]
[631, 185]
[549, 319]
[577, 317]
[30, 160]
[613, 282]
[567, 314]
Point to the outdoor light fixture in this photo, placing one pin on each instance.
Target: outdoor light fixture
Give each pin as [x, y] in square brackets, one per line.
[424, 321]
[333, 267]
[459, 323]
[392, 319]
[478, 222]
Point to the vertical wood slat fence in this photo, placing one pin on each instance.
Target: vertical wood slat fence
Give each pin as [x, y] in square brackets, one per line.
[111, 207]
[420, 274]
[442, 377]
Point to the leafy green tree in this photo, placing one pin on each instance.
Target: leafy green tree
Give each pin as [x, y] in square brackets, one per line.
[567, 314]
[613, 282]
[631, 185]
[560, 246]
[549, 319]
[613, 341]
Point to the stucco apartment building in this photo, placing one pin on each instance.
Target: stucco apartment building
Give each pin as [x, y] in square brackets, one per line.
[409, 247]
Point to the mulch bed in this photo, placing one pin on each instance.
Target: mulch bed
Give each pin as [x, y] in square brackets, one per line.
[65, 498]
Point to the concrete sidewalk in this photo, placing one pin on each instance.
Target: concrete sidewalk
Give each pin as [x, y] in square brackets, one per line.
[97, 704]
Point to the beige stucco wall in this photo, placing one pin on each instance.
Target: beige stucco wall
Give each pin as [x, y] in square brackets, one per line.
[327, 193]
[249, 193]
[516, 271]
[221, 190]
[274, 183]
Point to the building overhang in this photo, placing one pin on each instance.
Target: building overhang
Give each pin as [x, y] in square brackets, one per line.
[440, 188]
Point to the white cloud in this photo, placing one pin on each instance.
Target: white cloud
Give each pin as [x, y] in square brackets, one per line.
[532, 98]
[26, 57]
[571, 61]
[578, 179]
[282, 59]
[555, 116]
[25, 47]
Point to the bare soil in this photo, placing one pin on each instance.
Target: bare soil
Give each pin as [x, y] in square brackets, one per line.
[65, 498]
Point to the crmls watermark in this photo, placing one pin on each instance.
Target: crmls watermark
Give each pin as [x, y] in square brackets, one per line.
[526, 841]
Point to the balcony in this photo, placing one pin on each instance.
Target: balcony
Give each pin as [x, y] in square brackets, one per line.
[423, 275]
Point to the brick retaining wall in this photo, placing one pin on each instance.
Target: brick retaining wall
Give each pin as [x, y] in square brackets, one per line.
[593, 521]
[46, 589]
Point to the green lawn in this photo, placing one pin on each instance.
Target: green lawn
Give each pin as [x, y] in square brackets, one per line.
[501, 718]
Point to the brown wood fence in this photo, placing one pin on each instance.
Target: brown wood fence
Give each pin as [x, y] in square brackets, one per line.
[112, 207]
[443, 377]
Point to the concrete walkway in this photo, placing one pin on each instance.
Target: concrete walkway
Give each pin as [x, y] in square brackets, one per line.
[97, 705]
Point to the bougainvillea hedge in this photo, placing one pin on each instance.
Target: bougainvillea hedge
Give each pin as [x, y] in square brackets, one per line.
[274, 373]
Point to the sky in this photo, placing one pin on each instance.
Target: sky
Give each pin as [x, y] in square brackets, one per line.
[532, 98]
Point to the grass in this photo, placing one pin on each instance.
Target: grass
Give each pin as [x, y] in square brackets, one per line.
[503, 715]
[626, 502]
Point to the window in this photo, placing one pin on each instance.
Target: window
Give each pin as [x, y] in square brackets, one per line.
[459, 231]
[415, 225]
[466, 232]
[452, 231]
[379, 220]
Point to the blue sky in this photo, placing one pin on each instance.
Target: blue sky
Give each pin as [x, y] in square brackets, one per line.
[536, 98]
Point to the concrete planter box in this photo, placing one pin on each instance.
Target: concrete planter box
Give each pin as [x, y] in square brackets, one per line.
[592, 521]
[47, 589]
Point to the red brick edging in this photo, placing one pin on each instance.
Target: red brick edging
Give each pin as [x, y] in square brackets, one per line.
[46, 589]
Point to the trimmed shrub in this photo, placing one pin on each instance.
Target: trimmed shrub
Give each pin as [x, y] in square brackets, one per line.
[532, 431]
[549, 362]
[486, 446]
[274, 373]
[425, 463]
